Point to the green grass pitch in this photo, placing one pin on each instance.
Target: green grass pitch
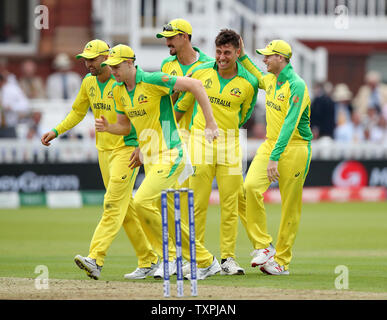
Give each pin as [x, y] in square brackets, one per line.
[330, 234]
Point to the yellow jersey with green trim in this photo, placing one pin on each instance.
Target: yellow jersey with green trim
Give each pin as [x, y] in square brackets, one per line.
[150, 111]
[287, 107]
[99, 97]
[232, 100]
[172, 66]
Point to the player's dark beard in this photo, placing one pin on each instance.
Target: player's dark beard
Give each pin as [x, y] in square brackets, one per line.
[170, 51]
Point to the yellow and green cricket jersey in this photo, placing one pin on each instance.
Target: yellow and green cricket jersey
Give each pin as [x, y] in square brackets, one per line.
[99, 97]
[172, 66]
[150, 111]
[232, 100]
[287, 107]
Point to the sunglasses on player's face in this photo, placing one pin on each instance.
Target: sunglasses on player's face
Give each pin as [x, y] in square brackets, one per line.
[169, 27]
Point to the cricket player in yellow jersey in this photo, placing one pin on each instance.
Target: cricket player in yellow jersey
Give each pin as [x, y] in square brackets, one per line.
[113, 155]
[284, 155]
[232, 91]
[183, 59]
[143, 103]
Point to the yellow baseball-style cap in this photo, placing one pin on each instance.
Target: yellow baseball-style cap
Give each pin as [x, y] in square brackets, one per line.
[93, 49]
[118, 54]
[280, 47]
[175, 27]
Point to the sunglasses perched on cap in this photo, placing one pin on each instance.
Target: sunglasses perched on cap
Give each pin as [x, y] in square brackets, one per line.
[286, 55]
[169, 27]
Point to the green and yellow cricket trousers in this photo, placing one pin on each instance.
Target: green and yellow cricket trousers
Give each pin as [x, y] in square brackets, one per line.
[293, 168]
[119, 210]
[160, 176]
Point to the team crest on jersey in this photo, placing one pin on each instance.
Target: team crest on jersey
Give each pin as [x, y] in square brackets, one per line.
[92, 92]
[110, 94]
[142, 99]
[268, 91]
[174, 73]
[281, 97]
[208, 83]
[236, 92]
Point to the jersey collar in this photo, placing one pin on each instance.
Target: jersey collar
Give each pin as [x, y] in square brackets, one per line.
[285, 74]
[240, 68]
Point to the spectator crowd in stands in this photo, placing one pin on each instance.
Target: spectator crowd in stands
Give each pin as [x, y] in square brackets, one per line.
[18, 119]
[339, 115]
[336, 113]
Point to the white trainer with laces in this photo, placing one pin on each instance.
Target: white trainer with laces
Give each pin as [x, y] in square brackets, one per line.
[142, 273]
[159, 273]
[273, 268]
[203, 273]
[89, 265]
[231, 267]
[261, 256]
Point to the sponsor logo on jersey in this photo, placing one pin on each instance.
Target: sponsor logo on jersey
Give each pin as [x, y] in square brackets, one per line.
[220, 102]
[92, 92]
[165, 78]
[208, 84]
[268, 91]
[123, 102]
[142, 99]
[296, 99]
[236, 92]
[137, 113]
[110, 94]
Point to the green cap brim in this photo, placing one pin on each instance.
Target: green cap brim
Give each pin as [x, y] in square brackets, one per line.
[264, 52]
[167, 34]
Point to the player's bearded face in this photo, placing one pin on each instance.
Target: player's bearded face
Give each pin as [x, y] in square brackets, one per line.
[94, 65]
[174, 44]
[226, 56]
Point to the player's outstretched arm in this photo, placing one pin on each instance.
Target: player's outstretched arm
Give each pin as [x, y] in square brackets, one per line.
[196, 88]
[121, 127]
[47, 137]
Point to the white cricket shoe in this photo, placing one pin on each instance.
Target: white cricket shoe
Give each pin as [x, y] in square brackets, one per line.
[142, 273]
[203, 273]
[187, 268]
[273, 268]
[159, 273]
[89, 265]
[231, 267]
[261, 256]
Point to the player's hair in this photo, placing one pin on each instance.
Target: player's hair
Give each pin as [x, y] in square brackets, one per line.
[226, 36]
